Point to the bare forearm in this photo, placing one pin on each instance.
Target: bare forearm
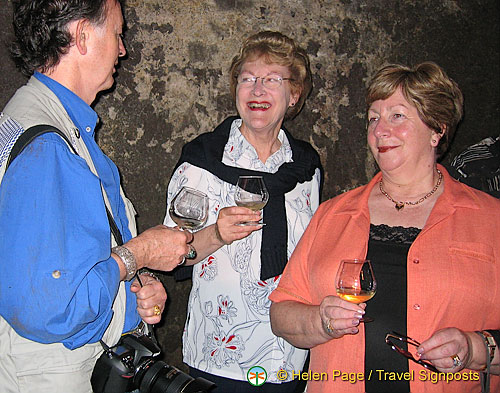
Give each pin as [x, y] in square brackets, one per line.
[205, 242]
[298, 323]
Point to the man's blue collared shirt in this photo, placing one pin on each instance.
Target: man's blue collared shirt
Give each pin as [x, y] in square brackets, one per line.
[57, 278]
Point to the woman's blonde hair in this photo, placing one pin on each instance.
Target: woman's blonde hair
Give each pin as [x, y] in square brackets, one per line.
[276, 48]
[426, 86]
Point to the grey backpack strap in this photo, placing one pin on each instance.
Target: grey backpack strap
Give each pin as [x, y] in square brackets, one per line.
[28, 136]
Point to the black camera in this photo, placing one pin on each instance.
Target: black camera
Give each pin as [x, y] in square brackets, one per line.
[131, 365]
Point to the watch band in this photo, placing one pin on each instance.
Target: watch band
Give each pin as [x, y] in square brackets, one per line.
[128, 260]
[490, 343]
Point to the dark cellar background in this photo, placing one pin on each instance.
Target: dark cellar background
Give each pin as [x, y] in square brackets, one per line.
[173, 86]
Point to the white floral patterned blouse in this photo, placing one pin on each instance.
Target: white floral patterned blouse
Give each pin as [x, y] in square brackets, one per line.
[228, 330]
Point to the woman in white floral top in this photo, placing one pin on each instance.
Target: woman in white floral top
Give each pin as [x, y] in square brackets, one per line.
[228, 330]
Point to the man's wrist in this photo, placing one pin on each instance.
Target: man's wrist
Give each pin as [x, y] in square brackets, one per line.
[128, 260]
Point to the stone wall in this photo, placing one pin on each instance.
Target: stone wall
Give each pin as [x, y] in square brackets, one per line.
[174, 85]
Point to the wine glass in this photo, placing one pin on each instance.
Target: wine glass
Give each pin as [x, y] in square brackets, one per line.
[251, 192]
[189, 210]
[355, 282]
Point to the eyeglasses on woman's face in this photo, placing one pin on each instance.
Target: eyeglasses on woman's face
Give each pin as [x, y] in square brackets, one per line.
[269, 81]
[395, 340]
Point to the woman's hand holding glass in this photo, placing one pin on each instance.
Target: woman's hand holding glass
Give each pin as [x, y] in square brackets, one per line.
[355, 282]
[340, 317]
[228, 228]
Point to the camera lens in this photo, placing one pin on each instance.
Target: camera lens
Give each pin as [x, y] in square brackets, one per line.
[159, 377]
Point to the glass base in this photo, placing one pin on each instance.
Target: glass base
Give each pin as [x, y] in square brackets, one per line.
[251, 223]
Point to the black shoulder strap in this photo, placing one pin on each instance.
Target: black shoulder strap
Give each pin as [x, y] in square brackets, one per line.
[29, 135]
[33, 132]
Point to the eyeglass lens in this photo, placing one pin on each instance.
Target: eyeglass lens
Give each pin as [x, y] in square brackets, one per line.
[269, 82]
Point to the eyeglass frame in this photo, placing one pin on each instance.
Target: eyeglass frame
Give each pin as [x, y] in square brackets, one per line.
[407, 354]
[263, 78]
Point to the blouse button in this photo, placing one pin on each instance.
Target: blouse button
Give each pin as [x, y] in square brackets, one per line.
[56, 274]
[416, 261]
[416, 306]
[88, 129]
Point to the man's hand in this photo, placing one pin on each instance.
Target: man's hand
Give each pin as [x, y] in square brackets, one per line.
[160, 247]
[151, 298]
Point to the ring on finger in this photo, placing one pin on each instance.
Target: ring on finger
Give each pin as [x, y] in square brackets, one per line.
[456, 361]
[328, 326]
[157, 309]
[192, 252]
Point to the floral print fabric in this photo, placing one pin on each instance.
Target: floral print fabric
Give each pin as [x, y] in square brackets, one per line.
[228, 330]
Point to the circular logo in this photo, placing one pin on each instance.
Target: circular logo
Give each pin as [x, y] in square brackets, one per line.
[256, 376]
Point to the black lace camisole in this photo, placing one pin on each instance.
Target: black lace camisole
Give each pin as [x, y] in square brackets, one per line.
[387, 250]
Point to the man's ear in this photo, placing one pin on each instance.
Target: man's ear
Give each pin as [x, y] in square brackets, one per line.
[81, 31]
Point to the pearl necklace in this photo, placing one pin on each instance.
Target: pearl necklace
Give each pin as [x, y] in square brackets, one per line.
[400, 205]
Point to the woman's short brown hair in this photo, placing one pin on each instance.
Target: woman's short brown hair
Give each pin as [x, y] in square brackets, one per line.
[276, 48]
[426, 86]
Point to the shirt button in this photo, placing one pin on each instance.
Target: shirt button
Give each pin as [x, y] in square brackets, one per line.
[416, 261]
[416, 306]
[56, 274]
[88, 129]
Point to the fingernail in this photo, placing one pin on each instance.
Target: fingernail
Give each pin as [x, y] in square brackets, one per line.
[361, 311]
[420, 351]
[355, 322]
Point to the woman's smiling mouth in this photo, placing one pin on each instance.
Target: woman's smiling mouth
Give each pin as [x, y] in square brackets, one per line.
[259, 105]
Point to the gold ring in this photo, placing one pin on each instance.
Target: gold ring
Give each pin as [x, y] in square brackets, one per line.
[456, 361]
[157, 310]
[328, 326]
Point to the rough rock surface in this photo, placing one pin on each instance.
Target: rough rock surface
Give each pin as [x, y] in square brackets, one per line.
[173, 85]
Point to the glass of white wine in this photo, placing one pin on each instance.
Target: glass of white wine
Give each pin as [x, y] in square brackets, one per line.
[189, 210]
[355, 282]
[251, 192]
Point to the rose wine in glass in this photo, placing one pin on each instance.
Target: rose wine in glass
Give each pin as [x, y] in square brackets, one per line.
[355, 282]
[251, 192]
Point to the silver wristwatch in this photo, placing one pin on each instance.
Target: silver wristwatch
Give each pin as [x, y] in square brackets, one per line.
[128, 260]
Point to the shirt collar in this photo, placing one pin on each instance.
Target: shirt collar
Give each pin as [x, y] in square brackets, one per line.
[84, 117]
[239, 150]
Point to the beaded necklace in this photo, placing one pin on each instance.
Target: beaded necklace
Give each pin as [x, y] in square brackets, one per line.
[400, 205]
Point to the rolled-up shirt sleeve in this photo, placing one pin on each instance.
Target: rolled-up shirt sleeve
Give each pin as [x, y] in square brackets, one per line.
[58, 280]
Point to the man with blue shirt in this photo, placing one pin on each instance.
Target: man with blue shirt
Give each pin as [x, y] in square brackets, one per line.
[65, 282]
